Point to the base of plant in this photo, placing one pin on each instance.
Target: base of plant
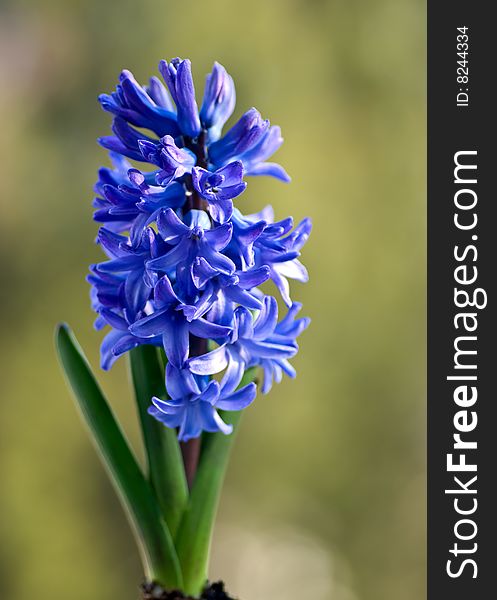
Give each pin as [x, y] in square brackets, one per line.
[213, 591]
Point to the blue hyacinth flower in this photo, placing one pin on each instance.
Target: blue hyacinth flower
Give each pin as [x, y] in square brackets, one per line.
[194, 402]
[263, 342]
[169, 321]
[185, 267]
[219, 188]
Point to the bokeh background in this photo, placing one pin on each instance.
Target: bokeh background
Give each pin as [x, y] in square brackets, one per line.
[325, 494]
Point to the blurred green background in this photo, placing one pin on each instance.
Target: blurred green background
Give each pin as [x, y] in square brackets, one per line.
[325, 497]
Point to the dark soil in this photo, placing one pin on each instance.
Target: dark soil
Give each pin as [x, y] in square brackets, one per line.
[214, 591]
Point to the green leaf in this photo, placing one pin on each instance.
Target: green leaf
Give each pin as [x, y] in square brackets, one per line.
[154, 539]
[194, 536]
[165, 464]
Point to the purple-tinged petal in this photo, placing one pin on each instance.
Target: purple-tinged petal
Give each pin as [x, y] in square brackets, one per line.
[205, 302]
[220, 210]
[164, 294]
[242, 136]
[202, 272]
[188, 118]
[111, 242]
[170, 226]
[219, 237]
[136, 291]
[287, 368]
[217, 261]
[129, 136]
[175, 340]
[119, 265]
[114, 144]
[113, 319]
[152, 325]
[125, 344]
[179, 253]
[253, 277]
[159, 94]
[219, 100]
[232, 173]
[206, 329]
[198, 218]
[269, 371]
[178, 77]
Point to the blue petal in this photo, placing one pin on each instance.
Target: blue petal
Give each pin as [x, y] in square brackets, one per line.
[253, 277]
[271, 169]
[282, 285]
[159, 94]
[202, 272]
[125, 344]
[219, 100]
[209, 363]
[191, 427]
[211, 420]
[168, 407]
[178, 254]
[267, 319]
[175, 340]
[171, 421]
[293, 269]
[234, 373]
[205, 329]
[163, 293]
[269, 350]
[152, 325]
[171, 226]
[239, 400]
[218, 261]
[111, 241]
[120, 265]
[244, 322]
[219, 237]
[136, 292]
[232, 173]
[242, 136]
[236, 294]
[220, 210]
[180, 382]
[114, 320]
[211, 393]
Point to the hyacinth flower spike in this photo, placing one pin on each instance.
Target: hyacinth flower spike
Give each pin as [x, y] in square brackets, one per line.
[179, 293]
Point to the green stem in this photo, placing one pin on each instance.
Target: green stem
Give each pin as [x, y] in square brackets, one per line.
[165, 465]
[153, 536]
